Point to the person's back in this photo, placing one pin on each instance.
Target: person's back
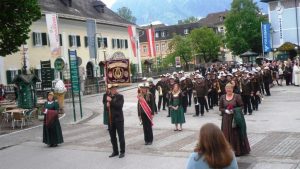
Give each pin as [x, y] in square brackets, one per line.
[197, 162]
[212, 151]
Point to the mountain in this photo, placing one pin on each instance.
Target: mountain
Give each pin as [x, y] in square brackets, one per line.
[170, 11]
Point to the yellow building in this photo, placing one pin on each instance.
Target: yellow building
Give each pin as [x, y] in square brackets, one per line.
[72, 16]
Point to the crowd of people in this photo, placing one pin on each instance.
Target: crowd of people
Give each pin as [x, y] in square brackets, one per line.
[237, 90]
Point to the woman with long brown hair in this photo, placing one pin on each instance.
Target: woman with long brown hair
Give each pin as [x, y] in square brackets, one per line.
[212, 150]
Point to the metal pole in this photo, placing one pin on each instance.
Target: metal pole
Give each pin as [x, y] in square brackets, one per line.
[74, 113]
[79, 86]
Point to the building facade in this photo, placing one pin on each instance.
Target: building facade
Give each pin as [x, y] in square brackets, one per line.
[284, 17]
[112, 36]
[164, 34]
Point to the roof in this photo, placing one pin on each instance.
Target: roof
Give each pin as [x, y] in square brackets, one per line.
[82, 9]
[214, 19]
[25, 78]
[170, 31]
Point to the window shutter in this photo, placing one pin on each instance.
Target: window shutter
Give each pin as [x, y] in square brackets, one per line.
[52, 74]
[126, 44]
[33, 38]
[118, 43]
[8, 76]
[86, 42]
[44, 39]
[78, 41]
[113, 43]
[60, 39]
[105, 42]
[99, 42]
[70, 41]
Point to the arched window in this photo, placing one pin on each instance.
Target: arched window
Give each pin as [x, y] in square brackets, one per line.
[90, 70]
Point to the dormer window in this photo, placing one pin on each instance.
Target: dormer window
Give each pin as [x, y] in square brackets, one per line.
[67, 3]
[186, 31]
[99, 6]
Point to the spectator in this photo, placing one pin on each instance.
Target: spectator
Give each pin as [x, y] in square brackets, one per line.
[212, 150]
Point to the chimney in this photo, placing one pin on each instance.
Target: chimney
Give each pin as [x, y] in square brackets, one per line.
[99, 6]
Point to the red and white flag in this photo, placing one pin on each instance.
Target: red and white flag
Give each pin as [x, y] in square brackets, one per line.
[151, 42]
[132, 35]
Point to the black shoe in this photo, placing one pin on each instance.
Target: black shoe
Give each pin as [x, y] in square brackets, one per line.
[163, 109]
[250, 113]
[122, 155]
[150, 143]
[195, 115]
[146, 143]
[113, 155]
[202, 114]
[168, 115]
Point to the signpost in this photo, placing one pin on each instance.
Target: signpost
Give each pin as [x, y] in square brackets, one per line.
[75, 82]
[46, 74]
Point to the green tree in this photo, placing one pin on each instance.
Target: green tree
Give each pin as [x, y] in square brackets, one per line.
[126, 14]
[15, 19]
[243, 27]
[191, 19]
[205, 43]
[180, 46]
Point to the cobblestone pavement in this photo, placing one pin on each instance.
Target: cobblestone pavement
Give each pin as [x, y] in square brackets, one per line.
[273, 132]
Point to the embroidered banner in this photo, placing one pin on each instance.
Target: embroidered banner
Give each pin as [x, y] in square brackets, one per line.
[118, 71]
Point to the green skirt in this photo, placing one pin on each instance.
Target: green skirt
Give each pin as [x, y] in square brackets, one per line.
[52, 135]
[177, 116]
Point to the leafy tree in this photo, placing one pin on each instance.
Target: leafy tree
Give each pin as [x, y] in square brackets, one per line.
[191, 19]
[180, 47]
[15, 19]
[126, 14]
[205, 43]
[243, 27]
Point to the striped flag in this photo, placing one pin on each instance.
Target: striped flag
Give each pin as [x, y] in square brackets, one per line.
[132, 35]
[151, 42]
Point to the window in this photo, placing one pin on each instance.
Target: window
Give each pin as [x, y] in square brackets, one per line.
[74, 41]
[60, 39]
[86, 41]
[102, 42]
[186, 31]
[157, 34]
[114, 43]
[163, 34]
[157, 47]
[145, 49]
[39, 39]
[126, 44]
[11, 74]
[118, 44]
[122, 43]
[163, 47]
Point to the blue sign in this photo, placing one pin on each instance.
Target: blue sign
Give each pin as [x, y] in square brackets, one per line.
[266, 37]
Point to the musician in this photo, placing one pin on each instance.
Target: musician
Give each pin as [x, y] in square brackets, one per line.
[146, 108]
[162, 88]
[152, 90]
[184, 91]
[189, 82]
[246, 89]
[255, 95]
[201, 92]
[115, 103]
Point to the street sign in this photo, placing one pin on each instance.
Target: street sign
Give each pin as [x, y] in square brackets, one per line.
[75, 82]
[74, 71]
[266, 37]
[59, 64]
[46, 74]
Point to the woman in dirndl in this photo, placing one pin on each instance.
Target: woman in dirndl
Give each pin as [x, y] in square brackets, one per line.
[177, 114]
[233, 122]
[52, 134]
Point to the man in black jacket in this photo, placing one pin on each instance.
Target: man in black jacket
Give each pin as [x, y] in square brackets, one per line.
[115, 103]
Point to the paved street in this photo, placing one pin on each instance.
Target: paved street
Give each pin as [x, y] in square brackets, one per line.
[273, 132]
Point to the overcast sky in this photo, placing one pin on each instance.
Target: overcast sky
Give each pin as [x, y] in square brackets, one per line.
[109, 3]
